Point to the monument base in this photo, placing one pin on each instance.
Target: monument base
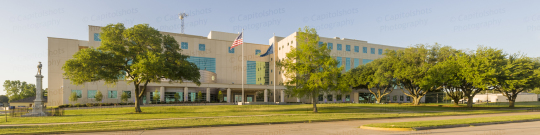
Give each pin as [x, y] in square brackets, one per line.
[37, 110]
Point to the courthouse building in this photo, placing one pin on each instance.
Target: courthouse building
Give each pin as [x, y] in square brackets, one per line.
[219, 67]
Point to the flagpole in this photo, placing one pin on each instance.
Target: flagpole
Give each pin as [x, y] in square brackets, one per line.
[274, 68]
[242, 66]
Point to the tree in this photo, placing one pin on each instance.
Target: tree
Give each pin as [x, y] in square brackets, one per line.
[199, 96]
[449, 75]
[376, 76]
[99, 96]
[519, 73]
[46, 92]
[140, 54]
[73, 97]
[124, 97]
[156, 96]
[536, 91]
[4, 99]
[16, 89]
[220, 96]
[309, 68]
[177, 97]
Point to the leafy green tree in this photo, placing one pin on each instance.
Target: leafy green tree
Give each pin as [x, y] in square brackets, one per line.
[177, 97]
[141, 54]
[199, 96]
[45, 92]
[449, 75]
[124, 97]
[536, 91]
[519, 73]
[4, 99]
[220, 96]
[156, 96]
[376, 76]
[99, 96]
[310, 69]
[73, 97]
[16, 89]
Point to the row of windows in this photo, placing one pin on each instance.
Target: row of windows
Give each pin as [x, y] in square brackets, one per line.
[348, 62]
[348, 48]
[338, 98]
[92, 93]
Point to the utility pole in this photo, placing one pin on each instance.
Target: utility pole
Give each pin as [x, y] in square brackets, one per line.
[182, 16]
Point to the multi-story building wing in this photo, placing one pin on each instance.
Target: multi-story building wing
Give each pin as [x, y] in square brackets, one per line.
[220, 70]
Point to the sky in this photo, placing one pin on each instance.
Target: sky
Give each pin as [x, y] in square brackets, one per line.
[513, 26]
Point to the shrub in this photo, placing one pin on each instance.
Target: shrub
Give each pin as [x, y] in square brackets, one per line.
[89, 104]
[78, 105]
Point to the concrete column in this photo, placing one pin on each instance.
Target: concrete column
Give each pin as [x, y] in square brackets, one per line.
[334, 98]
[161, 93]
[325, 99]
[208, 94]
[343, 97]
[265, 95]
[186, 94]
[148, 97]
[297, 99]
[282, 95]
[229, 96]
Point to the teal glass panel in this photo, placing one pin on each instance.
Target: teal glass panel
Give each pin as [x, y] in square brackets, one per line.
[91, 94]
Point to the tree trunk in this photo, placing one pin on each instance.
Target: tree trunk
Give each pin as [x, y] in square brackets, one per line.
[379, 100]
[470, 101]
[511, 103]
[314, 103]
[137, 104]
[416, 100]
[456, 102]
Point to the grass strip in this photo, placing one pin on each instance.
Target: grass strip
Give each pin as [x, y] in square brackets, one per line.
[441, 123]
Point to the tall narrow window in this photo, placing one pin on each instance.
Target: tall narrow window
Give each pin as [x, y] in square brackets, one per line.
[356, 49]
[339, 47]
[380, 51]
[364, 49]
[330, 46]
[372, 50]
[348, 48]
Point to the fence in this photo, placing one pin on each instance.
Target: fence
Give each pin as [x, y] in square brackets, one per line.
[18, 112]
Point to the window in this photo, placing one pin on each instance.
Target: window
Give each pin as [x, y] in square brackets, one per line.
[128, 93]
[230, 50]
[366, 61]
[372, 50]
[91, 94]
[356, 48]
[348, 98]
[339, 47]
[202, 47]
[348, 48]
[96, 37]
[364, 49]
[408, 98]
[338, 97]
[320, 97]
[356, 62]
[257, 52]
[347, 64]
[380, 51]
[395, 98]
[401, 98]
[112, 94]
[329, 97]
[330, 46]
[79, 93]
[320, 44]
[184, 45]
[339, 61]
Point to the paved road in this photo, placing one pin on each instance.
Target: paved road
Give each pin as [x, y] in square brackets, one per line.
[345, 128]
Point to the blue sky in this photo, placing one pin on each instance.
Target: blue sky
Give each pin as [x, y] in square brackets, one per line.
[513, 26]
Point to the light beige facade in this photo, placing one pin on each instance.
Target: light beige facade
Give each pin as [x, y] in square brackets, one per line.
[214, 56]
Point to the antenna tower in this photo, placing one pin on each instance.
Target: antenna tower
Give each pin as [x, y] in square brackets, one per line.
[182, 16]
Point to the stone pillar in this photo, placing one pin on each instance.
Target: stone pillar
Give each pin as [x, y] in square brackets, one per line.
[161, 93]
[208, 94]
[265, 95]
[325, 99]
[229, 96]
[282, 95]
[297, 99]
[334, 98]
[148, 97]
[186, 94]
[343, 97]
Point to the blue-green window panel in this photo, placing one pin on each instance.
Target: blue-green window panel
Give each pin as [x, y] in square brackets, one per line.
[366, 61]
[112, 94]
[356, 62]
[251, 72]
[347, 64]
[184, 45]
[230, 50]
[204, 63]
[320, 44]
[348, 48]
[364, 49]
[92, 93]
[79, 93]
[380, 51]
[339, 47]
[96, 37]
[339, 61]
[202, 47]
[330, 46]
[372, 50]
[257, 52]
[128, 93]
[356, 49]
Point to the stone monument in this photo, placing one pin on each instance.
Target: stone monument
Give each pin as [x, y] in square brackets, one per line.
[38, 109]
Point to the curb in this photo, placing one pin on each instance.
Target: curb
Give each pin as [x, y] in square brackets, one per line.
[446, 126]
[387, 129]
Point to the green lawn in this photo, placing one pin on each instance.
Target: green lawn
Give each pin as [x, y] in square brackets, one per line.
[277, 113]
[435, 123]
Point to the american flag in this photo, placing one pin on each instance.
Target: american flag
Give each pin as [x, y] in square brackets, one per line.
[237, 41]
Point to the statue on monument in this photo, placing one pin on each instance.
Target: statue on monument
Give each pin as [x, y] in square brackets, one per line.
[39, 68]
